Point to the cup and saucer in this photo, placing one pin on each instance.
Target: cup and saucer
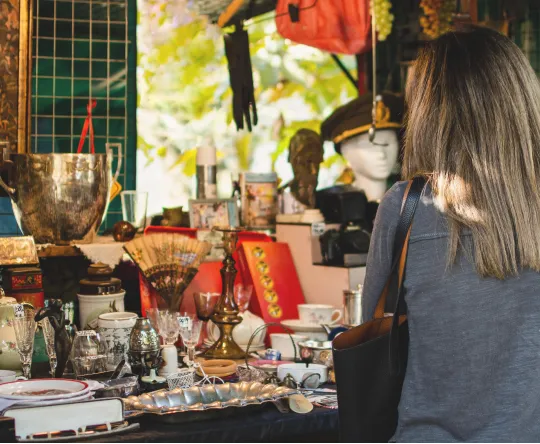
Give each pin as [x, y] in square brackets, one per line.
[312, 318]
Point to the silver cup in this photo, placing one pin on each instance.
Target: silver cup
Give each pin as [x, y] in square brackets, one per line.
[352, 307]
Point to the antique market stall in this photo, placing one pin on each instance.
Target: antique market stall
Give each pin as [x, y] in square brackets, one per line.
[213, 320]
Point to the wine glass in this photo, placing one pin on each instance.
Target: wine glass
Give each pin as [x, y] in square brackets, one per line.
[242, 296]
[168, 326]
[25, 330]
[190, 333]
[48, 334]
[205, 303]
[88, 353]
[184, 318]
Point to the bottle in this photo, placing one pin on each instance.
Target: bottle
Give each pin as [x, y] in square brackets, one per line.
[236, 195]
[206, 170]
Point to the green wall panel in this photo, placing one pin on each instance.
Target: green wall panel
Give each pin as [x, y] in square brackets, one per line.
[83, 50]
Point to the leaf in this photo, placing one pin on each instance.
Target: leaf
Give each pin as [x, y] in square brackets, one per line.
[332, 160]
[242, 146]
[188, 161]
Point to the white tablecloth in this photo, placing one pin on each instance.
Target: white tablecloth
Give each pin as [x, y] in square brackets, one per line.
[104, 250]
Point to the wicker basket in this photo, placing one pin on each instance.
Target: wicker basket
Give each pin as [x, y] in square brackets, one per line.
[185, 378]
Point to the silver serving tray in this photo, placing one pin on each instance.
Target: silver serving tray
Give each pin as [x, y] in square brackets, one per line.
[207, 397]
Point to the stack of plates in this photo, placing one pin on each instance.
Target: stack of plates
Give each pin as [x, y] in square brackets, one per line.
[43, 392]
[252, 348]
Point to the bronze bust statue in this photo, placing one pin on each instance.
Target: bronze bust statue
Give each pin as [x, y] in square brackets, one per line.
[305, 156]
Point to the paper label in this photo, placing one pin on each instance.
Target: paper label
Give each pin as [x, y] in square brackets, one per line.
[19, 310]
[317, 228]
[185, 322]
[86, 333]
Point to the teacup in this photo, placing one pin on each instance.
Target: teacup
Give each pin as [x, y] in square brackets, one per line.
[318, 314]
[115, 329]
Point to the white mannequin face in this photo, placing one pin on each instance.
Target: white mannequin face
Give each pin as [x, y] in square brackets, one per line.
[373, 162]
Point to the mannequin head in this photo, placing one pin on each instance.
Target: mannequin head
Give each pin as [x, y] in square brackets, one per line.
[371, 163]
[348, 127]
[305, 156]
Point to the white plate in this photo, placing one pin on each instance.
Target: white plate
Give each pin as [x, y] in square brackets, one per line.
[298, 326]
[71, 388]
[77, 398]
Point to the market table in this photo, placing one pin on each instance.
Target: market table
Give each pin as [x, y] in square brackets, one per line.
[266, 424]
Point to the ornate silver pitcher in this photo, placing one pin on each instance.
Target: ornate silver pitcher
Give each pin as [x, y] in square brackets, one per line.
[60, 198]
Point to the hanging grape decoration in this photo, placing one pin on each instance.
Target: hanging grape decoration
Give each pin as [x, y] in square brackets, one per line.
[437, 18]
[383, 18]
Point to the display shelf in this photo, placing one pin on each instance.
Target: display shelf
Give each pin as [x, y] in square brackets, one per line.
[50, 250]
[45, 251]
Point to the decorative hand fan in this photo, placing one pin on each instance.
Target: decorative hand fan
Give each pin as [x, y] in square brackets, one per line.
[169, 262]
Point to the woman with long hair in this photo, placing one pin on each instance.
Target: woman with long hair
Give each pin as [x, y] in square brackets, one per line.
[472, 281]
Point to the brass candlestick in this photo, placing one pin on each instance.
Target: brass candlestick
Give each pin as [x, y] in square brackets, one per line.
[225, 314]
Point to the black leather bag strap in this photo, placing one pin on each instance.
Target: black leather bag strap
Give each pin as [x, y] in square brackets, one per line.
[395, 290]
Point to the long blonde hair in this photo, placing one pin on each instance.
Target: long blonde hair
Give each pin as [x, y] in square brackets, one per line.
[473, 127]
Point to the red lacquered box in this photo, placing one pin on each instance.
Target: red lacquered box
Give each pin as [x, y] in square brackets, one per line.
[269, 267]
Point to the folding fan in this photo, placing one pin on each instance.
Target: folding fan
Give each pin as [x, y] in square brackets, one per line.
[169, 262]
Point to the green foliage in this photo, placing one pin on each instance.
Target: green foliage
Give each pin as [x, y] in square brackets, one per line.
[184, 92]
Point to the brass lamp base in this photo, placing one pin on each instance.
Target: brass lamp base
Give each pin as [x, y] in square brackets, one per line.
[225, 314]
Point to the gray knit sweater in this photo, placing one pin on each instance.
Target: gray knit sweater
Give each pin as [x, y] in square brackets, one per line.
[474, 353]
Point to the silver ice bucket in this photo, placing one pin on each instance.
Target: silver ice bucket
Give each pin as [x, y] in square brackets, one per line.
[60, 198]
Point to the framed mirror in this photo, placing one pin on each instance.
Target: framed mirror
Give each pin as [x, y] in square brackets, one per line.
[15, 73]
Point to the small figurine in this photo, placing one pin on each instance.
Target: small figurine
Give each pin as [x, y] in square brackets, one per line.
[62, 342]
[288, 381]
[305, 156]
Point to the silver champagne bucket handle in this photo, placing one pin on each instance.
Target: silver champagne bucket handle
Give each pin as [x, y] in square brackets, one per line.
[109, 150]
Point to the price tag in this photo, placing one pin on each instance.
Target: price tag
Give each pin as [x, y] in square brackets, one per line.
[86, 333]
[19, 310]
[317, 228]
[185, 322]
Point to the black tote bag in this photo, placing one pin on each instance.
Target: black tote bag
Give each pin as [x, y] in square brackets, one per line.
[370, 360]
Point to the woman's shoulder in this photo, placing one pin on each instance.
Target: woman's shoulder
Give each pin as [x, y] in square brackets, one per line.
[391, 202]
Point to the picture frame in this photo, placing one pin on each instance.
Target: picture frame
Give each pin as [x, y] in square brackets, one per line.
[15, 73]
[208, 213]
[259, 195]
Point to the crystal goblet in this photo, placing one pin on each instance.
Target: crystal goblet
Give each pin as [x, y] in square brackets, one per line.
[48, 334]
[25, 330]
[190, 335]
[242, 296]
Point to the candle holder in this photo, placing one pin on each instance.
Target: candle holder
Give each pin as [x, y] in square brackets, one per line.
[225, 314]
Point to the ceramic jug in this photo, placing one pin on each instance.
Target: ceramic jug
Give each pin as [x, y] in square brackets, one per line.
[9, 357]
[243, 331]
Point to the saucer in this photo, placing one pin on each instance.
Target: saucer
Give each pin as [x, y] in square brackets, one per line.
[267, 365]
[299, 326]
